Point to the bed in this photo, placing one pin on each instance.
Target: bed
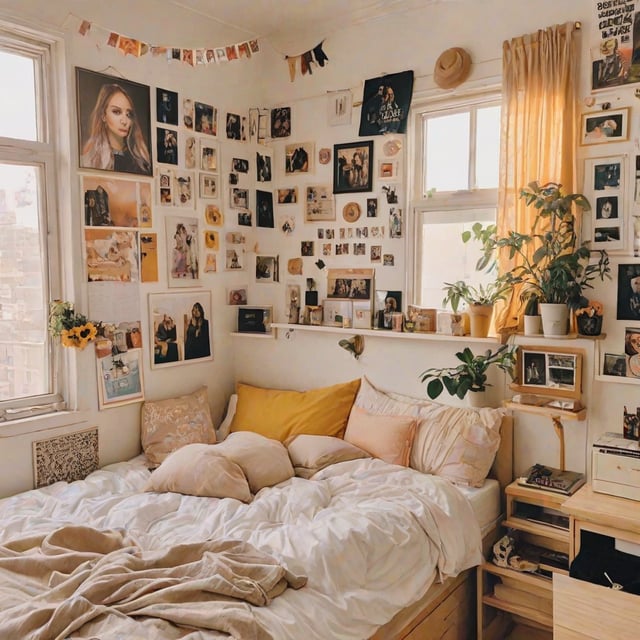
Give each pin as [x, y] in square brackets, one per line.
[363, 548]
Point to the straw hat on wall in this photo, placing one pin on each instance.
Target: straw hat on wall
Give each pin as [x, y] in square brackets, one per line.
[452, 68]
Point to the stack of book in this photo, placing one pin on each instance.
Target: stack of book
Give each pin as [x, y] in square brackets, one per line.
[550, 479]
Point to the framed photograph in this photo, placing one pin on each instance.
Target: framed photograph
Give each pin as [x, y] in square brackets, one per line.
[208, 185]
[120, 379]
[549, 372]
[255, 319]
[387, 169]
[206, 118]
[385, 104]
[299, 158]
[239, 198]
[614, 364]
[605, 189]
[241, 165]
[353, 167]
[181, 330]
[605, 126]
[98, 127]
[424, 320]
[337, 313]
[182, 236]
[319, 203]
[354, 284]
[386, 303]
[628, 305]
[632, 351]
[361, 314]
[237, 295]
[267, 269]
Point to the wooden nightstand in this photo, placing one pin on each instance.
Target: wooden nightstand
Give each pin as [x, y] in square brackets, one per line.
[514, 604]
[586, 611]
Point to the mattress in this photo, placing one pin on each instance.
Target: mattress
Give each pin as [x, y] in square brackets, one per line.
[371, 538]
[485, 502]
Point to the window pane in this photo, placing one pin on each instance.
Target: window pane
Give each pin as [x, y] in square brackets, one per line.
[18, 104]
[23, 325]
[447, 152]
[458, 262]
[487, 147]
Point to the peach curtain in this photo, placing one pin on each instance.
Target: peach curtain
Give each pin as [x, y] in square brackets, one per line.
[540, 125]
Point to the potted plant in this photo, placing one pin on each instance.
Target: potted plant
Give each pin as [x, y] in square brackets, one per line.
[560, 267]
[480, 300]
[589, 318]
[471, 374]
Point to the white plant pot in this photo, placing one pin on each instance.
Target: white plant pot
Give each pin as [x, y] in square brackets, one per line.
[532, 325]
[476, 399]
[555, 319]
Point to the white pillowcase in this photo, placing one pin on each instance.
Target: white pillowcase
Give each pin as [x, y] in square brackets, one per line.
[223, 430]
[376, 401]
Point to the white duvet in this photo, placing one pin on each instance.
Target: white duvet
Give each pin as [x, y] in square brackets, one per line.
[370, 536]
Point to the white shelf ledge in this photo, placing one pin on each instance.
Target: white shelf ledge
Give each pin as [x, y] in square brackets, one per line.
[254, 334]
[383, 333]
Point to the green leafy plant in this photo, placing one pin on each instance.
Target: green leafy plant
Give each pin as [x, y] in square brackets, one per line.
[560, 267]
[471, 374]
[483, 294]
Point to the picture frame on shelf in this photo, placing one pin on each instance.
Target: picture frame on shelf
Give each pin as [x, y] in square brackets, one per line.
[255, 319]
[361, 314]
[353, 167]
[604, 187]
[549, 372]
[601, 127]
[386, 303]
[354, 284]
[614, 364]
[337, 312]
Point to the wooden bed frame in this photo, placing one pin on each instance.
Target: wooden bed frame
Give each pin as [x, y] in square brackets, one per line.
[448, 609]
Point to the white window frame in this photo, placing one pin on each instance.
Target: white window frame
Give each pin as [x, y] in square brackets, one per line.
[462, 206]
[46, 51]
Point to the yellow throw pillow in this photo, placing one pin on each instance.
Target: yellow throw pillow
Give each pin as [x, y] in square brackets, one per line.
[389, 438]
[167, 425]
[280, 414]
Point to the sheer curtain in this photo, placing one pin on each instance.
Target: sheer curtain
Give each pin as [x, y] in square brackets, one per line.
[540, 125]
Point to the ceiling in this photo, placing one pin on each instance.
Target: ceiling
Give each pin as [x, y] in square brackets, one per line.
[278, 19]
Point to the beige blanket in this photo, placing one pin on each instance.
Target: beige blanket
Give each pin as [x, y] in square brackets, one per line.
[52, 586]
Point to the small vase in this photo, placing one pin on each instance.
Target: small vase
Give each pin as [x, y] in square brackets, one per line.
[480, 319]
[589, 325]
[532, 325]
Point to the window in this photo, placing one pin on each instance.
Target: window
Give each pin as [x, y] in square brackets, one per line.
[455, 185]
[28, 232]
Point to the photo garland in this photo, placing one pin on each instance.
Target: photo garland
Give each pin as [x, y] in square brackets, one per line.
[605, 189]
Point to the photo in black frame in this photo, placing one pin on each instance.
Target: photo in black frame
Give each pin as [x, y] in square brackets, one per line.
[628, 307]
[385, 104]
[167, 106]
[95, 93]
[264, 209]
[353, 167]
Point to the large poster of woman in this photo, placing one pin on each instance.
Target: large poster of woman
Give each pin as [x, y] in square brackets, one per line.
[385, 104]
[114, 125]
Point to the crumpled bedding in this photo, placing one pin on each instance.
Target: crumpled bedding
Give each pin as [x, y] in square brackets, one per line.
[371, 538]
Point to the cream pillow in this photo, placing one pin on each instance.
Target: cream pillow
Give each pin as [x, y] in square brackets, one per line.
[167, 425]
[264, 461]
[223, 429]
[386, 437]
[200, 470]
[457, 443]
[375, 400]
[309, 453]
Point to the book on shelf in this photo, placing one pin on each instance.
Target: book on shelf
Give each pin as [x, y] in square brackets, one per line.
[542, 515]
[550, 479]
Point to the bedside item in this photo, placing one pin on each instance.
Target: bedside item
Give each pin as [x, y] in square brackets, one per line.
[616, 466]
[550, 479]
[254, 319]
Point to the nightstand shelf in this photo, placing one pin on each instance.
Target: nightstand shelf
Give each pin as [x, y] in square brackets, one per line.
[516, 604]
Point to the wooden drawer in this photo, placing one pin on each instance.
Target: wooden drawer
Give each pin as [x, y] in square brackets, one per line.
[586, 611]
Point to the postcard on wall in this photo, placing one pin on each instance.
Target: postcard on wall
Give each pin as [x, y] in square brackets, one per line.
[149, 257]
[112, 202]
[182, 237]
[111, 255]
[339, 107]
[120, 379]
[319, 203]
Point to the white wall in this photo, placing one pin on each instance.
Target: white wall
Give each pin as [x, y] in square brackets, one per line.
[410, 40]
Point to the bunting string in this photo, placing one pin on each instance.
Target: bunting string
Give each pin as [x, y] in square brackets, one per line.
[306, 60]
[193, 57]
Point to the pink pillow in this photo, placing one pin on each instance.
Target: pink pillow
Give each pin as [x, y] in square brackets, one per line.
[389, 438]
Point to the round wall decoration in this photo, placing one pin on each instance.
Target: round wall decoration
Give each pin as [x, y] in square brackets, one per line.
[324, 155]
[351, 211]
[391, 147]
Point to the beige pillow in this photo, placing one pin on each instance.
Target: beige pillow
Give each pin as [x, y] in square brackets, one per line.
[310, 453]
[386, 437]
[225, 426]
[200, 470]
[375, 400]
[457, 443]
[167, 425]
[264, 461]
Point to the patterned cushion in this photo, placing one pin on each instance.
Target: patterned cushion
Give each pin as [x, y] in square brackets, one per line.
[169, 424]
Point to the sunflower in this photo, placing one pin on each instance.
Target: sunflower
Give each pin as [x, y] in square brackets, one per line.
[74, 329]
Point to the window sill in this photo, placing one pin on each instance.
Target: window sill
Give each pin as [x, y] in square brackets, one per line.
[44, 422]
